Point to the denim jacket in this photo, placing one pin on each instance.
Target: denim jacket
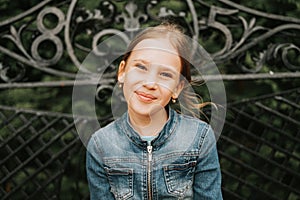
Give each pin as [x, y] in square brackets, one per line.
[181, 163]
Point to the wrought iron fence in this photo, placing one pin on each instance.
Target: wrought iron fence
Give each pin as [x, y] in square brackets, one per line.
[259, 151]
[42, 156]
[259, 148]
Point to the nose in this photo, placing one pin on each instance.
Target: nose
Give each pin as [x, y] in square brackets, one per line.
[150, 81]
[150, 85]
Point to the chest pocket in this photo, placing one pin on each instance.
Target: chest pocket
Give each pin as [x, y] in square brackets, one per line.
[121, 182]
[179, 177]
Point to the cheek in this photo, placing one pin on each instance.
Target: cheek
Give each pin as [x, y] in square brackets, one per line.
[130, 84]
[168, 88]
[130, 76]
[132, 81]
[127, 91]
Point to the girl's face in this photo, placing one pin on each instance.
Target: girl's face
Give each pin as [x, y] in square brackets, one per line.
[150, 76]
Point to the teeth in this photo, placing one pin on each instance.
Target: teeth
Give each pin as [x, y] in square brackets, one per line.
[145, 97]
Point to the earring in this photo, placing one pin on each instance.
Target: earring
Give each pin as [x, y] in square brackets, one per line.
[120, 85]
[174, 100]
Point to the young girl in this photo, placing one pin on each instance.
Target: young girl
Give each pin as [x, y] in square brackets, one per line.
[152, 152]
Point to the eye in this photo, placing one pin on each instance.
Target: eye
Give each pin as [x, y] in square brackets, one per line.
[166, 74]
[141, 66]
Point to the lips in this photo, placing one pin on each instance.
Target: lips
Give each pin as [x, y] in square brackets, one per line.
[145, 97]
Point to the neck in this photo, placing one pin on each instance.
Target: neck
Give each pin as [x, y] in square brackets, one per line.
[149, 125]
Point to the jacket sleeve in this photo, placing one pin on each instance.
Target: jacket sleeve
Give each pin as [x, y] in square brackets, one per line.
[207, 180]
[97, 179]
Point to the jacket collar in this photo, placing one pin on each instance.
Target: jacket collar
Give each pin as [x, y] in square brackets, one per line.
[168, 129]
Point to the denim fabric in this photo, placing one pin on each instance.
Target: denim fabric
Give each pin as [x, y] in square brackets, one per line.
[183, 164]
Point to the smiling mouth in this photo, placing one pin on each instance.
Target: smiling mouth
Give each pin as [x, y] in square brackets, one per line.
[145, 97]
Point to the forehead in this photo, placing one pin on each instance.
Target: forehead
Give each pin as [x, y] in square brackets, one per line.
[156, 51]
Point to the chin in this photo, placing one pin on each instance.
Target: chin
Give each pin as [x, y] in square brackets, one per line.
[144, 107]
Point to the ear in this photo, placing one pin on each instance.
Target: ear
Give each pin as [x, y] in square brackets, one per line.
[121, 71]
[178, 89]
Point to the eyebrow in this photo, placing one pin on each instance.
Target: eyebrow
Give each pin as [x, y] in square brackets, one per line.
[141, 60]
[165, 67]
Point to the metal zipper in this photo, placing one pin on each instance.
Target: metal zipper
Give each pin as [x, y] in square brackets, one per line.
[149, 171]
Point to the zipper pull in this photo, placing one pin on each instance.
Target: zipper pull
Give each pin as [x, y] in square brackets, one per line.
[149, 150]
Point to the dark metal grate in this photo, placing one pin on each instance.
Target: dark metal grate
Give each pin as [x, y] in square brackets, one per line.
[36, 151]
[259, 151]
[260, 148]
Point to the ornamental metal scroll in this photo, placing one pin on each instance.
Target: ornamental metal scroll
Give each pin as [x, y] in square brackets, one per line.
[77, 30]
